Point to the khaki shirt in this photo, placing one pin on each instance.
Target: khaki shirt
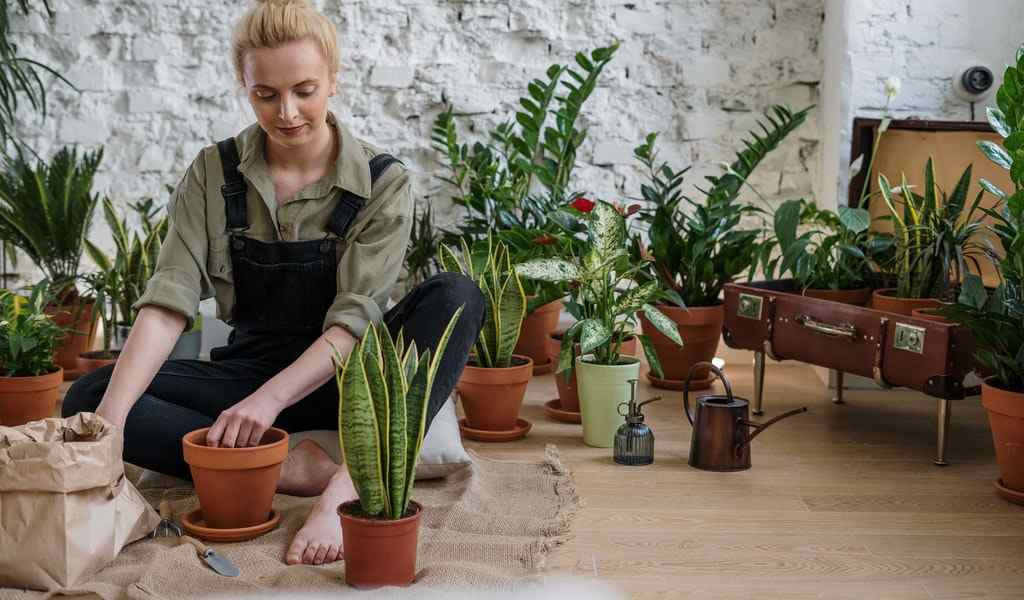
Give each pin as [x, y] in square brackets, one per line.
[195, 260]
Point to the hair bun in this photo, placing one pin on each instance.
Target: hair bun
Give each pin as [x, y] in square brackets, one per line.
[283, 2]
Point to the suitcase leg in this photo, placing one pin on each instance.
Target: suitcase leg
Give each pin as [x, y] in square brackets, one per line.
[838, 398]
[943, 433]
[759, 383]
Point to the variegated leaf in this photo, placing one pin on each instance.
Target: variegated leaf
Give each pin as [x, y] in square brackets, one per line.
[663, 324]
[608, 230]
[636, 298]
[555, 270]
[593, 334]
[652, 355]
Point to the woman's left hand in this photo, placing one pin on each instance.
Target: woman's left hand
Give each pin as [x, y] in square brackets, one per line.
[244, 423]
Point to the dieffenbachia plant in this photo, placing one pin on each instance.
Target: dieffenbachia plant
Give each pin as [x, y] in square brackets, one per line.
[489, 265]
[605, 294]
[384, 390]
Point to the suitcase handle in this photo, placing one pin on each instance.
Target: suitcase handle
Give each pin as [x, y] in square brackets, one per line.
[842, 330]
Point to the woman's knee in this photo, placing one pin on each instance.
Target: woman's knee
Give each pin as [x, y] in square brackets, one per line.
[85, 394]
[459, 290]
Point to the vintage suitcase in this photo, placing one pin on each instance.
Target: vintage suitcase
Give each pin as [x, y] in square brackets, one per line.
[772, 318]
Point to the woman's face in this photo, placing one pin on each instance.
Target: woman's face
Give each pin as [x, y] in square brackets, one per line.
[288, 88]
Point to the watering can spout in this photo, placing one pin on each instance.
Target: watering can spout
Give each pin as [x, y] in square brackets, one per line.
[759, 427]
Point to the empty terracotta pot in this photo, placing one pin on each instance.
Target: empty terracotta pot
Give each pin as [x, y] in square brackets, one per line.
[81, 323]
[379, 552]
[701, 329]
[235, 485]
[567, 395]
[858, 297]
[885, 299]
[90, 361]
[533, 335]
[491, 397]
[25, 399]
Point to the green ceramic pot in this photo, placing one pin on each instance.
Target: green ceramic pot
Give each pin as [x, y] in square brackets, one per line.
[601, 389]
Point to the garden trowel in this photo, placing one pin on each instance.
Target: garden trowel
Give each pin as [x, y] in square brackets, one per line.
[208, 555]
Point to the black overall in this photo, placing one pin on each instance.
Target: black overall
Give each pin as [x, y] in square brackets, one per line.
[283, 290]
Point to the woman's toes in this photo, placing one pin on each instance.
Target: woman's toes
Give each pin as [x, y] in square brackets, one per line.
[321, 554]
[310, 554]
[333, 554]
[296, 550]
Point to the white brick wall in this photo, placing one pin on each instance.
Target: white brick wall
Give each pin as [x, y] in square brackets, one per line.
[156, 83]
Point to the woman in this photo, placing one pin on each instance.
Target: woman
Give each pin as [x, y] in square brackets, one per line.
[298, 230]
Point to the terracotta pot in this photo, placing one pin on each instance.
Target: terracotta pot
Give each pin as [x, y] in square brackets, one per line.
[701, 329]
[533, 335]
[81, 322]
[568, 399]
[24, 399]
[90, 361]
[379, 552]
[235, 485]
[886, 300]
[1006, 418]
[926, 313]
[858, 297]
[491, 397]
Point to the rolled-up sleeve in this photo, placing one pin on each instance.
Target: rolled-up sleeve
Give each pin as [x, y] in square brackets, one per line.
[180, 278]
[370, 266]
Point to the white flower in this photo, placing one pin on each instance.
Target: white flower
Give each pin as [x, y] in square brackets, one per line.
[892, 86]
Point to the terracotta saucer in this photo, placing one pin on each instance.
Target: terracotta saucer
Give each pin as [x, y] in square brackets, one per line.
[194, 525]
[553, 409]
[544, 368]
[677, 384]
[483, 435]
[1009, 494]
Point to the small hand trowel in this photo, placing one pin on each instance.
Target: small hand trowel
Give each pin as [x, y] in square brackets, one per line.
[215, 561]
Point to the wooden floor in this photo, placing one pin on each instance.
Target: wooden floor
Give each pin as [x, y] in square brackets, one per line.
[842, 502]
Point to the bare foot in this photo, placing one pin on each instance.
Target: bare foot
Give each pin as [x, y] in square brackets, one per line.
[319, 540]
[306, 470]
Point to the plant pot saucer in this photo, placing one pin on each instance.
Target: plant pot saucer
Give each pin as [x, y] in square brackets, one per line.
[553, 409]
[194, 525]
[484, 435]
[677, 384]
[1011, 495]
[544, 368]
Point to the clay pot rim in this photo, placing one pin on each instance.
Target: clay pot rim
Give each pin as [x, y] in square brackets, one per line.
[96, 354]
[989, 382]
[556, 304]
[59, 369]
[271, 448]
[528, 363]
[417, 512]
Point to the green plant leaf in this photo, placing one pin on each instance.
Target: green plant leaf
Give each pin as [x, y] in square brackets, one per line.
[997, 120]
[608, 230]
[857, 220]
[360, 437]
[652, 355]
[996, 154]
[555, 270]
[593, 334]
[973, 292]
[991, 188]
[663, 324]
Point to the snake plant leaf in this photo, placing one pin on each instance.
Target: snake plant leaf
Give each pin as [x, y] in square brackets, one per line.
[663, 324]
[554, 270]
[608, 230]
[98, 256]
[652, 355]
[487, 339]
[416, 401]
[636, 298]
[360, 437]
[448, 260]
[854, 219]
[373, 366]
[593, 333]
[409, 362]
[397, 455]
[511, 310]
[400, 345]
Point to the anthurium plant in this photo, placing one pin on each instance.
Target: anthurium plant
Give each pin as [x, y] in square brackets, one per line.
[384, 390]
[28, 336]
[699, 245]
[605, 294]
[489, 265]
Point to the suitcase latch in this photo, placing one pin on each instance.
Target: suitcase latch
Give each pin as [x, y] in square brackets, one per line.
[909, 338]
[749, 306]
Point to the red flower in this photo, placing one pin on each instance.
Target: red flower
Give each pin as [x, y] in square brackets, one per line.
[544, 240]
[633, 208]
[583, 205]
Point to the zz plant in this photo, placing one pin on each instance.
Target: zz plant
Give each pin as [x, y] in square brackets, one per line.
[489, 265]
[28, 336]
[384, 390]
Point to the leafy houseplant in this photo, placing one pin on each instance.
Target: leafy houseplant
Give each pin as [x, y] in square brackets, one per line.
[29, 379]
[934, 240]
[421, 256]
[698, 245]
[384, 389]
[492, 386]
[605, 300]
[997, 319]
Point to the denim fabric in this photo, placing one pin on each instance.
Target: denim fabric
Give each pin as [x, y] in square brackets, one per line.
[189, 394]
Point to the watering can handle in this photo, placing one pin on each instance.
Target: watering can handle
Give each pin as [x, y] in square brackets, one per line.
[759, 427]
[686, 385]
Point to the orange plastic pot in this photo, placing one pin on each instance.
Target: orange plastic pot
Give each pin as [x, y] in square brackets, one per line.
[533, 335]
[80, 321]
[1006, 418]
[701, 328]
[90, 361]
[25, 399]
[379, 552]
[886, 299]
[568, 398]
[858, 297]
[491, 397]
[235, 485]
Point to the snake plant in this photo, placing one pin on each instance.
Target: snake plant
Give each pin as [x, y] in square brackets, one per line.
[384, 390]
[489, 265]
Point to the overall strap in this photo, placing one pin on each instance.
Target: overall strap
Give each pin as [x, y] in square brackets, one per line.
[350, 203]
[234, 187]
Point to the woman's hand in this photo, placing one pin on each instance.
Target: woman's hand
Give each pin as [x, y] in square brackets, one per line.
[245, 423]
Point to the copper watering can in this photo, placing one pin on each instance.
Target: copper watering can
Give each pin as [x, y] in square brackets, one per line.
[721, 438]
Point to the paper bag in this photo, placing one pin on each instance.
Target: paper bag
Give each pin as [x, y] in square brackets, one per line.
[66, 507]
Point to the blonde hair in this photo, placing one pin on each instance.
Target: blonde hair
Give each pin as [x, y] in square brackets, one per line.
[273, 23]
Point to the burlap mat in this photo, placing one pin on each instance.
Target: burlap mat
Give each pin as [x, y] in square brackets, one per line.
[488, 526]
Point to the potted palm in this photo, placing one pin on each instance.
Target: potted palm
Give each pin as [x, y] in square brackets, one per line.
[606, 298]
[384, 390]
[935, 240]
[698, 247]
[46, 211]
[29, 379]
[493, 384]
